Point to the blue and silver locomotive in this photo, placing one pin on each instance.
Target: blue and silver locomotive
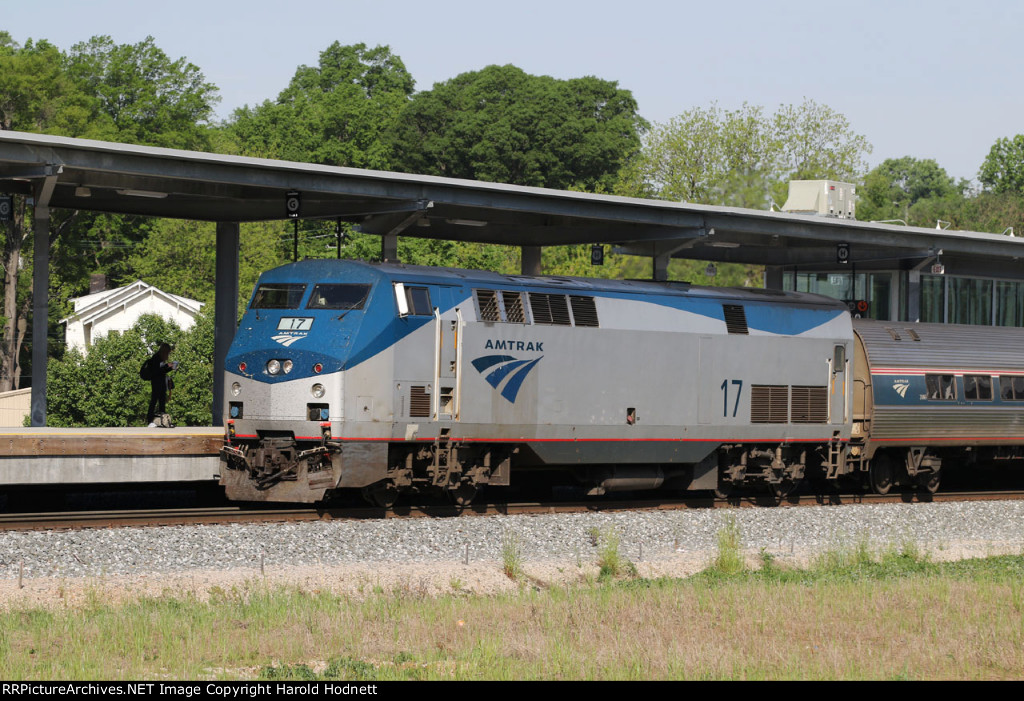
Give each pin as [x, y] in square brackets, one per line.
[391, 378]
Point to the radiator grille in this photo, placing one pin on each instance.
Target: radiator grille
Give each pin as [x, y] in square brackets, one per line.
[487, 300]
[549, 309]
[769, 404]
[584, 311]
[419, 401]
[809, 405]
[735, 318]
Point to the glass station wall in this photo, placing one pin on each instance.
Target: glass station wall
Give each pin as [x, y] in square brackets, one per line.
[874, 288]
[961, 300]
[943, 298]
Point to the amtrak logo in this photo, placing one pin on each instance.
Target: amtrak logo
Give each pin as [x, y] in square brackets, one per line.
[901, 387]
[286, 340]
[509, 370]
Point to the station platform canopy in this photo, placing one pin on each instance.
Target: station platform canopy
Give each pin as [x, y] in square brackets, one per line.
[128, 179]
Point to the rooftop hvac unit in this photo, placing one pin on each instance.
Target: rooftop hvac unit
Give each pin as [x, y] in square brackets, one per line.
[826, 198]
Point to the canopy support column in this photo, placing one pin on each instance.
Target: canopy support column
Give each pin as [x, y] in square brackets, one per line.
[40, 310]
[531, 264]
[225, 310]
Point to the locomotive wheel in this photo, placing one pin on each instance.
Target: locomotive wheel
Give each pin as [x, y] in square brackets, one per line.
[464, 493]
[382, 495]
[781, 490]
[929, 481]
[726, 489]
[881, 474]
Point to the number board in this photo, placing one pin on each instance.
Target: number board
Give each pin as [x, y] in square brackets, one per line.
[295, 323]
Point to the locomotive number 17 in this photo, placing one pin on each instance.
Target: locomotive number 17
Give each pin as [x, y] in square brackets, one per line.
[725, 396]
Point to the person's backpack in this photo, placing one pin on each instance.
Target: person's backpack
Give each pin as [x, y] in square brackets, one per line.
[146, 371]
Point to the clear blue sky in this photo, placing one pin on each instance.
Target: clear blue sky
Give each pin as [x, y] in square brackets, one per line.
[938, 79]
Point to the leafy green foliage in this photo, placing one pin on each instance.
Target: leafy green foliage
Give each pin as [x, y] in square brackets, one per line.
[336, 113]
[502, 124]
[1003, 168]
[743, 157]
[897, 184]
[37, 94]
[150, 98]
[103, 388]
[180, 256]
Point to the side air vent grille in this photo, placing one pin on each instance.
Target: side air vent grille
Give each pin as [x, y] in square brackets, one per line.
[514, 313]
[419, 401]
[735, 318]
[584, 311]
[549, 309]
[487, 300]
[769, 404]
[809, 405]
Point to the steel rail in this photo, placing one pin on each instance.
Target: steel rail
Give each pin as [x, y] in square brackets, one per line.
[244, 514]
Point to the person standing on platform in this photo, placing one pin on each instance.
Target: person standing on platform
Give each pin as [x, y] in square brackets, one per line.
[159, 368]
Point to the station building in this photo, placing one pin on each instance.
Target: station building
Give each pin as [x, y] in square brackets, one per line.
[925, 285]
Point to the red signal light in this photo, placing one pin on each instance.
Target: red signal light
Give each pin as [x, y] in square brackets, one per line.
[241, 366]
[318, 368]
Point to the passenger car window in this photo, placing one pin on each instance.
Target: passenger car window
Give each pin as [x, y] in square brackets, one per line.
[940, 387]
[338, 296]
[1011, 388]
[978, 387]
[278, 295]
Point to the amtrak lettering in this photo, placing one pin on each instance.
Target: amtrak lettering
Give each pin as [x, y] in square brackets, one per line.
[515, 345]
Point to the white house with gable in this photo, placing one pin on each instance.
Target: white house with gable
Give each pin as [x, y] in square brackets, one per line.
[99, 313]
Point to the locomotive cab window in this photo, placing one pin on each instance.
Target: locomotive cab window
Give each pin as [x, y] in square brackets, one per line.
[342, 297]
[413, 300]
[977, 387]
[940, 387]
[1011, 388]
[278, 295]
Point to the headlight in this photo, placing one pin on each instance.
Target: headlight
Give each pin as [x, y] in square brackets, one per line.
[274, 367]
[236, 388]
[317, 390]
[286, 366]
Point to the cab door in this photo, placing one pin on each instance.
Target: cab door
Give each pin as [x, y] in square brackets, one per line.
[838, 368]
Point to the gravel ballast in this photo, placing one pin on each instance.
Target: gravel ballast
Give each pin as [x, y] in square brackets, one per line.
[969, 528]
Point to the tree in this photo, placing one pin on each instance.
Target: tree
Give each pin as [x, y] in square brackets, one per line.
[742, 157]
[501, 124]
[893, 187]
[705, 155]
[36, 95]
[180, 257]
[1003, 168]
[336, 113]
[150, 98]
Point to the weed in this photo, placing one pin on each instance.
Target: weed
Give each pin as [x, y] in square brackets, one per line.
[729, 560]
[511, 556]
[610, 561]
[349, 669]
[594, 536]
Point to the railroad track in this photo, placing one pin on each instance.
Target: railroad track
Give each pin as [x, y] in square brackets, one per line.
[245, 514]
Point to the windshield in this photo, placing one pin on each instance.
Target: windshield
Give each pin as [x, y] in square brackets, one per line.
[278, 295]
[338, 296]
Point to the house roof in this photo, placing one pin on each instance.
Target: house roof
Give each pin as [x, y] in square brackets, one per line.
[90, 308]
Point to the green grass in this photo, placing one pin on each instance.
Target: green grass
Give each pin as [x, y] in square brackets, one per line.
[856, 612]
